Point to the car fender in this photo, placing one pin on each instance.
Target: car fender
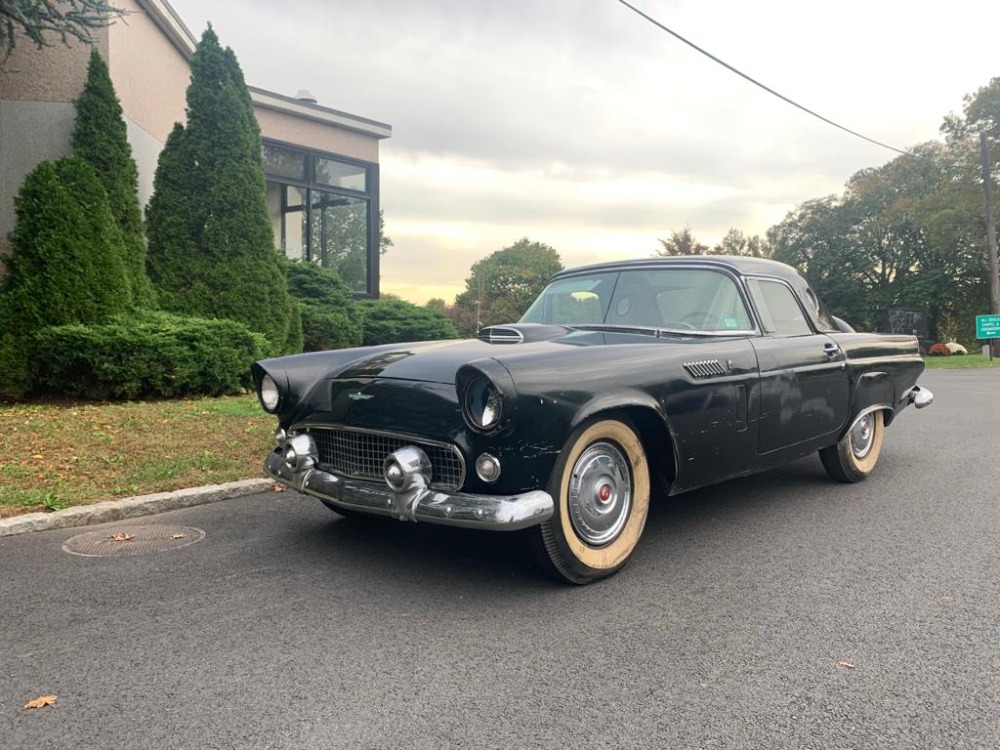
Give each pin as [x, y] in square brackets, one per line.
[875, 390]
[653, 431]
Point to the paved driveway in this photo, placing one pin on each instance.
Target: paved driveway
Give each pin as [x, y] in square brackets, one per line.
[735, 626]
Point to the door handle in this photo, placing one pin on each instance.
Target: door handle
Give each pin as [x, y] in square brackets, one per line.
[831, 349]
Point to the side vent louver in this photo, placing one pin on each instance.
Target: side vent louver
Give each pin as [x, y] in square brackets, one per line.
[705, 368]
[500, 335]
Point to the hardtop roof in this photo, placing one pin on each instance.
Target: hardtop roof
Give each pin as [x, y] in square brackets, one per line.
[740, 264]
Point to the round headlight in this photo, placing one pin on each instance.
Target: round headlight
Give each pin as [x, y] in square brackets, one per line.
[483, 403]
[269, 394]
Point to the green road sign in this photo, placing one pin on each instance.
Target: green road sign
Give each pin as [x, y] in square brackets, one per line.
[988, 326]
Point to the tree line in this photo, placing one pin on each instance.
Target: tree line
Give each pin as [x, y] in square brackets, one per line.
[910, 233]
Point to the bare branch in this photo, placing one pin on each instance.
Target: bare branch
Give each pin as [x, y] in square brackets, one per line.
[43, 20]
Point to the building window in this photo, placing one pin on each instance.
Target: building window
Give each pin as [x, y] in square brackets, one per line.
[324, 209]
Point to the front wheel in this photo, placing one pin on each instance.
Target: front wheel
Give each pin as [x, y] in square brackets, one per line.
[600, 485]
[853, 459]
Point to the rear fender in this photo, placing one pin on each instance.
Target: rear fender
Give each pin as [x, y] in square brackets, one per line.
[875, 390]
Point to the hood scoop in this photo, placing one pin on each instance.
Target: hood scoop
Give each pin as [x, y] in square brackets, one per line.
[520, 333]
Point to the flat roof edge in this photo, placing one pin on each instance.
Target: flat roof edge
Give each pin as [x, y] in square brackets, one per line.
[166, 18]
[281, 103]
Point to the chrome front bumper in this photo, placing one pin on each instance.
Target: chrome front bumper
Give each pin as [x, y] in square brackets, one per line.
[497, 512]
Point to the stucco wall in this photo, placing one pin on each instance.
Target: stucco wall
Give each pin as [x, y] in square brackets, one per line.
[30, 132]
[145, 151]
[50, 74]
[149, 72]
[290, 129]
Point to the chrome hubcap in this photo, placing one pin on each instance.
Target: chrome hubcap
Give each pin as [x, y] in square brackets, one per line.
[862, 435]
[600, 494]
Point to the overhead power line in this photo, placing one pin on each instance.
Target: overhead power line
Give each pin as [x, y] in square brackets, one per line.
[768, 89]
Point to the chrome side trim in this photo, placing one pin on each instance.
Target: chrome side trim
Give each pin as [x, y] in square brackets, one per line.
[496, 512]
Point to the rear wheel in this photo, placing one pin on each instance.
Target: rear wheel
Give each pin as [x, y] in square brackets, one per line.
[600, 486]
[853, 459]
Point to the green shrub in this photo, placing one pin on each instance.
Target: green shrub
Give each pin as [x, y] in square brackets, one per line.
[391, 321]
[66, 261]
[150, 355]
[211, 246]
[15, 377]
[100, 137]
[330, 315]
[328, 329]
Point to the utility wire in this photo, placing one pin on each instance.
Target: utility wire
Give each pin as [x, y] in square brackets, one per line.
[769, 90]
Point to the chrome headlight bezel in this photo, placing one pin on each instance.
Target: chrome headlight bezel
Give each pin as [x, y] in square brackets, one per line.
[482, 404]
[486, 396]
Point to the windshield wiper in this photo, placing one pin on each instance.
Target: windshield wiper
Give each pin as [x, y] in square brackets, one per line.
[641, 330]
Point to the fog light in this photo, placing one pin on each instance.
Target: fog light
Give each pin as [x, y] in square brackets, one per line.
[488, 468]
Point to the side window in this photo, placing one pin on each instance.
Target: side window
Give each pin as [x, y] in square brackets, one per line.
[779, 311]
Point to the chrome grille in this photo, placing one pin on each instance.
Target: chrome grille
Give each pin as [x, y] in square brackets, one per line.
[359, 454]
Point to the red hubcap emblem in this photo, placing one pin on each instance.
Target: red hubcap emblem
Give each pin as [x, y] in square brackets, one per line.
[604, 493]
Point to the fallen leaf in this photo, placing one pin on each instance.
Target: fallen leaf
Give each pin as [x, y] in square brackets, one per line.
[176, 536]
[38, 456]
[121, 536]
[845, 664]
[41, 702]
[279, 488]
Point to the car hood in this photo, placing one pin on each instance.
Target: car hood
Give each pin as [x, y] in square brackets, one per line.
[512, 345]
[438, 361]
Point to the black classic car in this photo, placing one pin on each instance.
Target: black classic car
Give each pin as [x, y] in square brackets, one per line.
[622, 381]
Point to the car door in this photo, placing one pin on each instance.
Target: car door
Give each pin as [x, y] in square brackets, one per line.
[804, 389]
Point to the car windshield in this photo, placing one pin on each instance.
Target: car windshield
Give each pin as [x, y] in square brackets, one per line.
[683, 299]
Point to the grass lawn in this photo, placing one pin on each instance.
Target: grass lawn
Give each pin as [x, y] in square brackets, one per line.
[962, 361]
[56, 455]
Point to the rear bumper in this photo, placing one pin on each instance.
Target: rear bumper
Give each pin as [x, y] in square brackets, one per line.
[496, 512]
[920, 397]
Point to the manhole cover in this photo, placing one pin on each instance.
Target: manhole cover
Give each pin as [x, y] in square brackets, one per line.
[124, 541]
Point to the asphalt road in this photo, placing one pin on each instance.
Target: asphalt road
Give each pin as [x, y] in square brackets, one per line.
[733, 627]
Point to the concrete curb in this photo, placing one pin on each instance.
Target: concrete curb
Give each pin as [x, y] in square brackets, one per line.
[130, 507]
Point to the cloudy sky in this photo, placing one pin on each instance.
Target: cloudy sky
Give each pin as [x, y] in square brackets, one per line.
[579, 124]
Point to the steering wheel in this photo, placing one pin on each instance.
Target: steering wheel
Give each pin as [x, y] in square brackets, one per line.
[680, 324]
[691, 321]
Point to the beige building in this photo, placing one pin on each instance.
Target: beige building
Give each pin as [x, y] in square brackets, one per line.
[321, 164]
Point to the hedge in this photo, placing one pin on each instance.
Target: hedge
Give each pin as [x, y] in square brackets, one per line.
[152, 355]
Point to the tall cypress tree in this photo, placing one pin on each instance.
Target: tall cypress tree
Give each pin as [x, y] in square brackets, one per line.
[66, 251]
[211, 247]
[100, 137]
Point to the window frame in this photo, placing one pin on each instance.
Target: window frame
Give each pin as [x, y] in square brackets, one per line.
[310, 186]
[760, 307]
